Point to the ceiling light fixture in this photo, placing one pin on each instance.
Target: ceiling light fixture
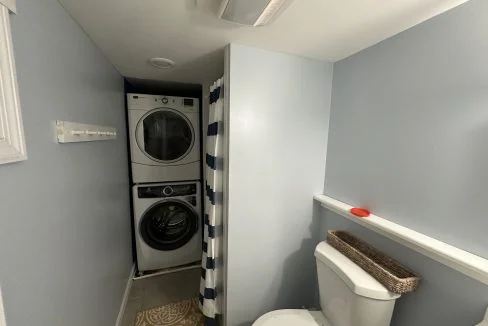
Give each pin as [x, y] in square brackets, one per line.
[251, 12]
[162, 63]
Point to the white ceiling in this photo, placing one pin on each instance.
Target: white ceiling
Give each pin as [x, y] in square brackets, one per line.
[130, 32]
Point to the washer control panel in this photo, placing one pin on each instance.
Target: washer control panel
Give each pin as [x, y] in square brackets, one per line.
[164, 191]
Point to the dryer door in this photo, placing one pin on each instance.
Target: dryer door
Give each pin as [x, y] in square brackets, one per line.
[168, 225]
[165, 135]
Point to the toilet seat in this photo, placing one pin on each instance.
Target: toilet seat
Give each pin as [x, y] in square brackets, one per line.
[292, 317]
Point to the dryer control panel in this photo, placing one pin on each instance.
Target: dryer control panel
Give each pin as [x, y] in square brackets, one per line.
[149, 102]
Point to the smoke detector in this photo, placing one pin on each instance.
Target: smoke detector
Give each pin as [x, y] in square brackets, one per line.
[251, 12]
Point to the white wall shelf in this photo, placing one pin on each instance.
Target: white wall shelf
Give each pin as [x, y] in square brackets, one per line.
[72, 132]
[465, 262]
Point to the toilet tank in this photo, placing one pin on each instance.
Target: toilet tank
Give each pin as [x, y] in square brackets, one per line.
[348, 295]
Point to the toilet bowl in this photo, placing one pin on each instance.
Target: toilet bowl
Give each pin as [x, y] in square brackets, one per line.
[292, 317]
[348, 297]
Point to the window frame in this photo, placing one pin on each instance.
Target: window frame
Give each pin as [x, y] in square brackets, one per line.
[12, 139]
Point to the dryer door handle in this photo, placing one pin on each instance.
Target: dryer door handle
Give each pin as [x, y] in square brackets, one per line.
[140, 134]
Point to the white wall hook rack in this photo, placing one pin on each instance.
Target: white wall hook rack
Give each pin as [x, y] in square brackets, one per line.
[72, 132]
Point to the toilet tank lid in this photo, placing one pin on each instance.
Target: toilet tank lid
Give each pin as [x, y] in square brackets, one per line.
[359, 281]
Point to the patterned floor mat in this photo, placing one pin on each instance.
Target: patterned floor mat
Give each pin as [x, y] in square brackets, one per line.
[182, 313]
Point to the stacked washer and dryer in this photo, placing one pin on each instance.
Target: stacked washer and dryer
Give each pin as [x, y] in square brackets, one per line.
[165, 163]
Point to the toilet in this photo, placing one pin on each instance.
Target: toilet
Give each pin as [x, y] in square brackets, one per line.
[348, 297]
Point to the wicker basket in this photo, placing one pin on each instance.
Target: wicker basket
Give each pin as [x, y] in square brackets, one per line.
[395, 277]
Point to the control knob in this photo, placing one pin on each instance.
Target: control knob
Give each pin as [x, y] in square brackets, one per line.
[167, 191]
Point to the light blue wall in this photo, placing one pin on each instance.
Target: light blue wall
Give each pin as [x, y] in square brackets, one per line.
[408, 134]
[65, 225]
[278, 112]
[409, 124]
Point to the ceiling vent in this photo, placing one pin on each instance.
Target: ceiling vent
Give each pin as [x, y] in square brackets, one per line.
[251, 12]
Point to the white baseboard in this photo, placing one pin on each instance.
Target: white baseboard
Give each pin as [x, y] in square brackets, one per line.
[170, 270]
[125, 298]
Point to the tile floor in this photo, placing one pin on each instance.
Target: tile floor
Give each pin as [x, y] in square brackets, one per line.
[160, 290]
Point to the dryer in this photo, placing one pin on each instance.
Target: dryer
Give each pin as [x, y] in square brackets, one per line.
[164, 138]
[167, 224]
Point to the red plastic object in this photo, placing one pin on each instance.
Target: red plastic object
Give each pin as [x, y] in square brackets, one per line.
[360, 212]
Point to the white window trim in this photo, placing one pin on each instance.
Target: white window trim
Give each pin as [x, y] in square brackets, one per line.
[12, 141]
[10, 4]
[2, 311]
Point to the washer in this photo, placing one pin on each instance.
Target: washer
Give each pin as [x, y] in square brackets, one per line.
[168, 224]
[164, 138]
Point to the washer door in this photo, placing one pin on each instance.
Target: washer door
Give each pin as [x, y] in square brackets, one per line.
[168, 225]
[165, 135]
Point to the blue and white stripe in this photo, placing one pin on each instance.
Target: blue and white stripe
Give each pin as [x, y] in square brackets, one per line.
[211, 286]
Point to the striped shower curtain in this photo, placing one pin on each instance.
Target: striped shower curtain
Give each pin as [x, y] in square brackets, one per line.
[211, 285]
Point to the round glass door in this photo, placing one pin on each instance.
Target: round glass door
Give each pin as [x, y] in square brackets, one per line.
[168, 225]
[167, 135]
